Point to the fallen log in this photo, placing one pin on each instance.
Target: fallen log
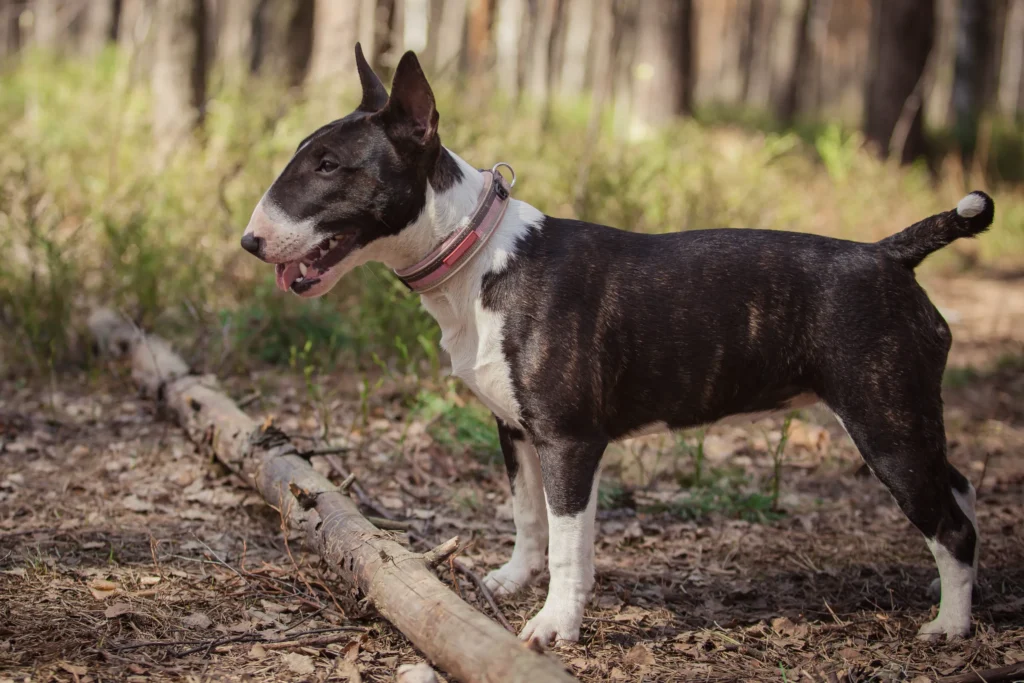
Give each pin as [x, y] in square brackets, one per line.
[400, 583]
[1013, 672]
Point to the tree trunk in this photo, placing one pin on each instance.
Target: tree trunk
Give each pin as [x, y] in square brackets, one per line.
[335, 32]
[799, 76]
[99, 26]
[664, 86]
[479, 44]
[386, 28]
[401, 584]
[136, 35]
[10, 28]
[179, 70]
[236, 47]
[973, 59]
[46, 29]
[446, 29]
[284, 38]
[1011, 75]
[748, 47]
[902, 33]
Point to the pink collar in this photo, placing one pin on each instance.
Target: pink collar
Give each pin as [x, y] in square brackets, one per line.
[456, 251]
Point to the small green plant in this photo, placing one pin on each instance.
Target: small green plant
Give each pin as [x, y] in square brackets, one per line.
[778, 455]
[694, 450]
[723, 491]
[318, 397]
[612, 495]
[459, 424]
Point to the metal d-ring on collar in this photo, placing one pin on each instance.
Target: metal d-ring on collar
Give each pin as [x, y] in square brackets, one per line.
[453, 253]
[494, 169]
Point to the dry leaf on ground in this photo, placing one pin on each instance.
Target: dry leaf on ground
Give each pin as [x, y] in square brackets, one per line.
[300, 664]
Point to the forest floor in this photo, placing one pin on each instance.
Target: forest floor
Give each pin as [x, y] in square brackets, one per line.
[127, 554]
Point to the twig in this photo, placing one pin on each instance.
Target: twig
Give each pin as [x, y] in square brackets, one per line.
[390, 524]
[485, 592]
[250, 399]
[1001, 675]
[219, 560]
[302, 621]
[334, 450]
[313, 642]
[436, 556]
[347, 484]
[829, 608]
[209, 646]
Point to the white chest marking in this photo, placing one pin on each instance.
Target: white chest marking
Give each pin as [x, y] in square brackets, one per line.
[474, 335]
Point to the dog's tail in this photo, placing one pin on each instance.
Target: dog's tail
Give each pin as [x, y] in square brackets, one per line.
[972, 216]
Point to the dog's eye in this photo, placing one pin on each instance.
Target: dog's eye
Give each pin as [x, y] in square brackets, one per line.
[327, 165]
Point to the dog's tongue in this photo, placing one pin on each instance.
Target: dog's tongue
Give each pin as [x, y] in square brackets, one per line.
[287, 273]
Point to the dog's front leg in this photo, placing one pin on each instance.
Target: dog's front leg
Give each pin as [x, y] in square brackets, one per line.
[570, 474]
[528, 511]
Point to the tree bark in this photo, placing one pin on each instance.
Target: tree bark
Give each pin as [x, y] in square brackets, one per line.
[179, 70]
[1011, 76]
[902, 33]
[974, 38]
[386, 27]
[284, 38]
[136, 35]
[479, 43]
[748, 47]
[10, 28]
[665, 52]
[789, 105]
[446, 30]
[236, 47]
[99, 25]
[335, 32]
[399, 582]
[46, 26]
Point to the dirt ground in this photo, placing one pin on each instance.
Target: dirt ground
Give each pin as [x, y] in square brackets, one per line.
[127, 554]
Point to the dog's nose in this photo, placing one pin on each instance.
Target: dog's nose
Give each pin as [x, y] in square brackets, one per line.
[252, 244]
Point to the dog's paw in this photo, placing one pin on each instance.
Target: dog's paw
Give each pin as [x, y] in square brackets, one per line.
[557, 621]
[503, 583]
[935, 629]
[512, 577]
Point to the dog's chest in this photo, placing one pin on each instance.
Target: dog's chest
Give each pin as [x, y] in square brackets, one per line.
[472, 335]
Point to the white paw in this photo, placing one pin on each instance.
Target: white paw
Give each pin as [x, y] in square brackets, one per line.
[935, 629]
[509, 579]
[557, 621]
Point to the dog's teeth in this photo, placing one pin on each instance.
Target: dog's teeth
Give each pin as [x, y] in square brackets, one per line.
[302, 269]
[332, 244]
[323, 252]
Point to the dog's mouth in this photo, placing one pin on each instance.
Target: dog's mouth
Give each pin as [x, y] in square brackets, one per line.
[304, 274]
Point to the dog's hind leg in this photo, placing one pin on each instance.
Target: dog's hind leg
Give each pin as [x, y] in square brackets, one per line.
[966, 497]
[528, 511]
[570, 473]
[900, 434]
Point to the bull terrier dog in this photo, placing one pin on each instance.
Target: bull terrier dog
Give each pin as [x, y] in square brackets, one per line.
[575, 335]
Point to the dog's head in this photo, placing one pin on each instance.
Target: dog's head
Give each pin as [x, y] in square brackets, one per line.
[355, 182]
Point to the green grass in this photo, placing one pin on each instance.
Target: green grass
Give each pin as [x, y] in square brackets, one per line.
[459, 425]
[89, 216]
[724, 492]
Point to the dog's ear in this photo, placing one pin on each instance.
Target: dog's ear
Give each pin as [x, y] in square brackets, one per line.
[374, 94]
[411, 113]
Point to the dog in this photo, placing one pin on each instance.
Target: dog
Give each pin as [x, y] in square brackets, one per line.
[575, 335]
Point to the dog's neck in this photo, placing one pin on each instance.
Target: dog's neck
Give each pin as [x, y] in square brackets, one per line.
[443, 213]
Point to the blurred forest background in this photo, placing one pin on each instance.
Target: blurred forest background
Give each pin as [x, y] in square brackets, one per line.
[137, 135]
